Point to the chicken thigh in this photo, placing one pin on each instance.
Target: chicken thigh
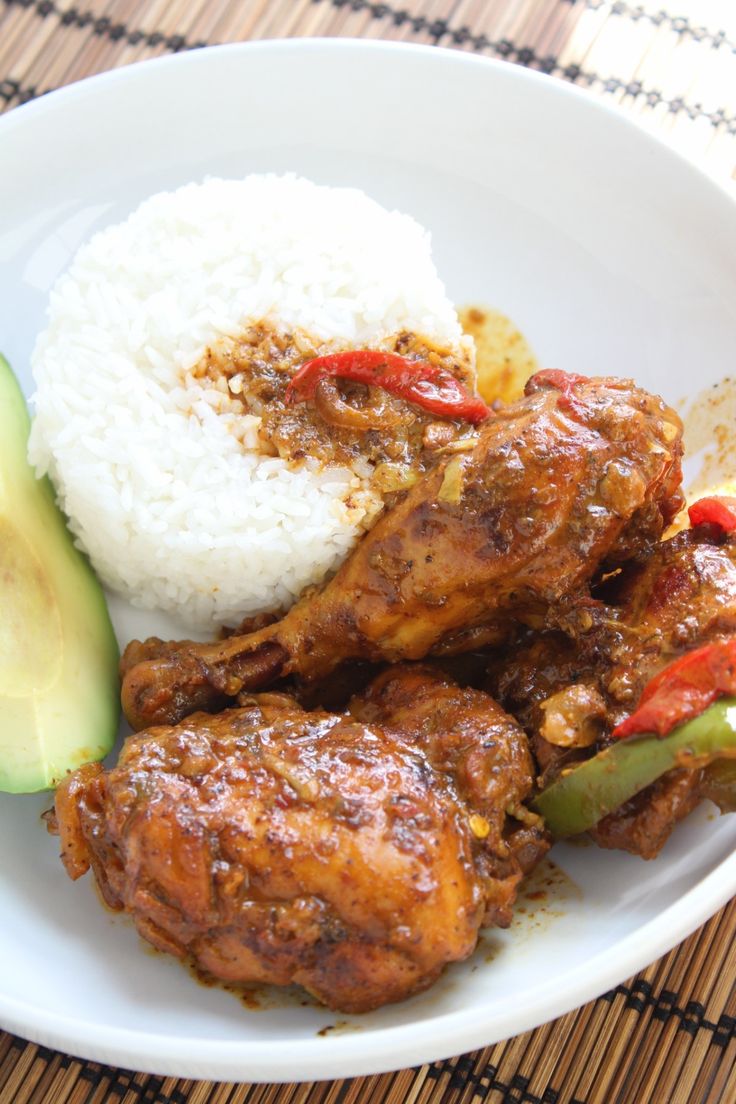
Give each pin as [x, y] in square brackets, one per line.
[578, 471]
[353, 854]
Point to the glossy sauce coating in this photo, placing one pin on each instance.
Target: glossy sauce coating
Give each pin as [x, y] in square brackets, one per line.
[389, 439]
[269, 844]
[554, 486]
[679, 597]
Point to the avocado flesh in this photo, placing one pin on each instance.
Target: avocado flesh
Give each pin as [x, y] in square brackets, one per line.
[59, 691]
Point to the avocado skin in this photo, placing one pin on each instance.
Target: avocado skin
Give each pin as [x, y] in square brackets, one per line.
[62, 708]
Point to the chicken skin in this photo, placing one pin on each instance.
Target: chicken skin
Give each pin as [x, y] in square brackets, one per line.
[466, 735]
[571, 691]
[354, 854]
[578, 472]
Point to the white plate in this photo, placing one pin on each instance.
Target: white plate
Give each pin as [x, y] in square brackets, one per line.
[610, 253]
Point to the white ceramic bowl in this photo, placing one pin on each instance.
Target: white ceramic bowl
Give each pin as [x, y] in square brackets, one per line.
[611, 254]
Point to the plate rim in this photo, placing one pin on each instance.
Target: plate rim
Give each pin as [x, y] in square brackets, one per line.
[557, 85]
[383, 1049]
[378, 1049]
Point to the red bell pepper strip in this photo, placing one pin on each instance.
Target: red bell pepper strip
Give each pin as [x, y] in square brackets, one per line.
[557, 380]
[683, 690]
[718, 510]
[434, 389]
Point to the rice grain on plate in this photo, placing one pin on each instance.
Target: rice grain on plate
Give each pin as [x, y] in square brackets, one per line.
[159, 472]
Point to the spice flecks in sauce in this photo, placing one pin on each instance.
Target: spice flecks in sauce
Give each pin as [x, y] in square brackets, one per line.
[253, 372]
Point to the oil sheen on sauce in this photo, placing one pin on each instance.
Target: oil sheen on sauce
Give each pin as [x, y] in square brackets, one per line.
[710, 437]
[709, 417]
[504, 358]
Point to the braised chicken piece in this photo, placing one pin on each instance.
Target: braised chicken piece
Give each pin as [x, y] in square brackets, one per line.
[571, 691]
[353, 854]
[578, 472]
[468, 736]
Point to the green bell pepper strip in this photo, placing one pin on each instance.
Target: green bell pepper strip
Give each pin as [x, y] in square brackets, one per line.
[579, 799]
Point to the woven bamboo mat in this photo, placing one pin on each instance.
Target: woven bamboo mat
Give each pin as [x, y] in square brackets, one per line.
[669, 1034]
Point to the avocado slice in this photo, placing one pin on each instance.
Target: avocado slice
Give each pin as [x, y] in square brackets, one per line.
[59, 689]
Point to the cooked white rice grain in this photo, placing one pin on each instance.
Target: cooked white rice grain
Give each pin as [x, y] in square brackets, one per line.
[163, 483]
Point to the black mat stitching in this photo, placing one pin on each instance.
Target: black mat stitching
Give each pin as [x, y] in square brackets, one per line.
[526, 56]
[641, 996]
[680, 24]
[103, 27]
[486, 1081]
[436, 28]
[638, 997]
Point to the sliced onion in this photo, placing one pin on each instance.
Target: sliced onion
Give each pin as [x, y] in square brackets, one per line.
[573, 717]
[335, 411]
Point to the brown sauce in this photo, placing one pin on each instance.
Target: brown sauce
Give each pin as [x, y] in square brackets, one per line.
[546, 894]
[710, 437]
[258, 366]
[504, 358]
[253, 371]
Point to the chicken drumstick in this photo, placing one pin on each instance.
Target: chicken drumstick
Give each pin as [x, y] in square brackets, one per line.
[577, 471]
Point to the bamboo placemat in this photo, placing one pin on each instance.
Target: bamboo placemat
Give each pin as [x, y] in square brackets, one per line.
[669, 1034]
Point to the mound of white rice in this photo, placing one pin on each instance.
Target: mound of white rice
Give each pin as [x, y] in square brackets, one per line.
[175, 512]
